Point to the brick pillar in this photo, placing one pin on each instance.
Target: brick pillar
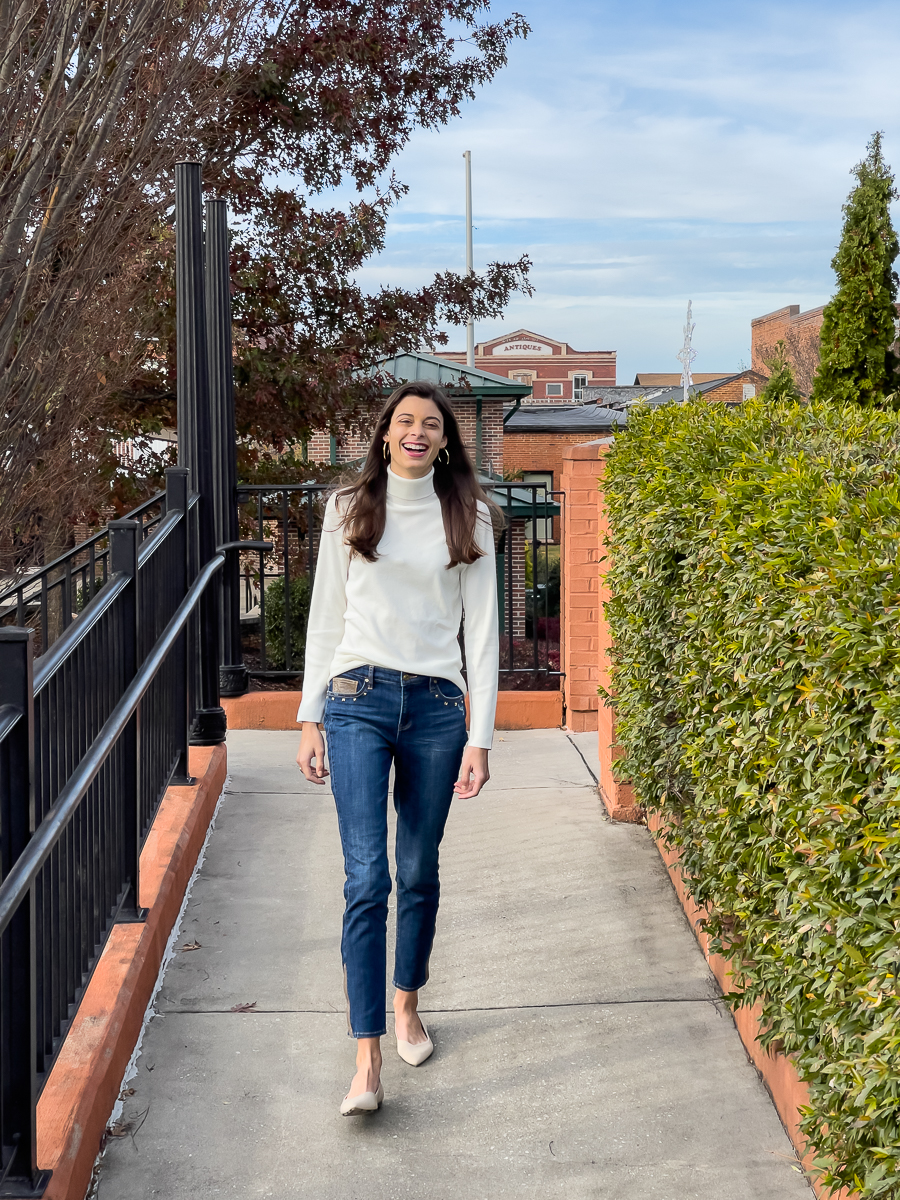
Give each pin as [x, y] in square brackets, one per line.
[581, 581]
[617, 796]
[584, 632]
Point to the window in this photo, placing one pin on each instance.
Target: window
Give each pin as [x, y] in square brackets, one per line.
[749, 391]
[579, 382]
[554, 389]
[542, 529]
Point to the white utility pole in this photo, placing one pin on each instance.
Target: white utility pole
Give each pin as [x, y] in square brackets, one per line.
[686, 354]
[470, 269]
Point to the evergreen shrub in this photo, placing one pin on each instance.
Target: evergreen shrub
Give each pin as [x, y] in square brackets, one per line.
[755, 613]
[300, 598]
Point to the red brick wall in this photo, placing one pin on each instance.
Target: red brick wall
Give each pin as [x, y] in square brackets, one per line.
[586, 642]
[541, 451]
[800, 333]
[733, 391]
[580, 586]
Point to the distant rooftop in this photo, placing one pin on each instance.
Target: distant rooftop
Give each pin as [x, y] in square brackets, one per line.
[673, 378]
[619, 396]
[700, 386]
[451, 376]
[564, 418]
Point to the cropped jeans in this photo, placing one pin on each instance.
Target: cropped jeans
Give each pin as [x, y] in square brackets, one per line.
[375, 717]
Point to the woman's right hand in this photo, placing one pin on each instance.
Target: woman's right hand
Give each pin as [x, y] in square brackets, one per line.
[312, 747]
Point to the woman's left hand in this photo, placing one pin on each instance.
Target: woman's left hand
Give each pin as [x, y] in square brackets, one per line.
[473, 774]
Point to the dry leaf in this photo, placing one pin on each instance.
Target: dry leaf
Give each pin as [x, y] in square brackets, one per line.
[195, 945]
[246, 1007]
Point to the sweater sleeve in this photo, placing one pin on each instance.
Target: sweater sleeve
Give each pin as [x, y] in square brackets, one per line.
[326, 614]
[482, 639]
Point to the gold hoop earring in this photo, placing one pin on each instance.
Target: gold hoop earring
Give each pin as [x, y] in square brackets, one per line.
[385, 452]
[445, 461]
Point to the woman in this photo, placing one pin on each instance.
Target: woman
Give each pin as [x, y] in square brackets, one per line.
[406, 549]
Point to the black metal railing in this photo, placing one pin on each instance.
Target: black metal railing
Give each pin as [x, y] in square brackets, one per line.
[91, 734]
[47, 599]
[277, 585]
[109, 669]
[529, 584]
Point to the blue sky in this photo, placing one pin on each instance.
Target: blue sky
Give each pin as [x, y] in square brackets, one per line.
[646, 153]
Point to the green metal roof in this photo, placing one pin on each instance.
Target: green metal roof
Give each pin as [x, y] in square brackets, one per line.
[451, 376]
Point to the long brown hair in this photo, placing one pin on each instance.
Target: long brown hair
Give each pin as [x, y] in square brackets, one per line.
[455, 484]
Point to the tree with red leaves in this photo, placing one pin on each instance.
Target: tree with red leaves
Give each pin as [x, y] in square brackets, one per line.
[331, 91]
[280, 100]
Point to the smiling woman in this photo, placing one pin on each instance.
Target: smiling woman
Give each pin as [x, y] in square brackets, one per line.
[407, 549]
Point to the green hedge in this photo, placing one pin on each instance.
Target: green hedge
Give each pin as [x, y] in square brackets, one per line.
[300, 598]
[756, 623]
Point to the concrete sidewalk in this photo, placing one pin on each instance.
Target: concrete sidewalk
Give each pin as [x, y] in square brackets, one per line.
[581, 1047]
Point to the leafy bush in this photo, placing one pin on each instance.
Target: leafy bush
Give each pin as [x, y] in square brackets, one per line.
[275, 643]
[548, 583]
[83, 596]
[755, 574]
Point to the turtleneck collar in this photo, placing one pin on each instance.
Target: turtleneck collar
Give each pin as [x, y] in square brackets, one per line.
[408, 490]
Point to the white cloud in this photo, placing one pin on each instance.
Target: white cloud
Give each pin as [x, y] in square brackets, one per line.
[645, 153]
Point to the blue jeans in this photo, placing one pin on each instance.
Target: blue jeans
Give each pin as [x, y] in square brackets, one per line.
[373, 717]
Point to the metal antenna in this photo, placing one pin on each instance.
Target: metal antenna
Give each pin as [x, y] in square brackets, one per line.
[686, 354]
[470, 269]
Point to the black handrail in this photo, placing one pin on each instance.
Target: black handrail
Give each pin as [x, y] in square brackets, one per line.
[23, 874]
[9, 717]
[48, 664]
[33, 578]
[151, 544]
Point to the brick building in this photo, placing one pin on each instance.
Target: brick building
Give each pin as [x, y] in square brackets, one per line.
[477, 396]
[536, 440]
[552, 369]
[800, 333]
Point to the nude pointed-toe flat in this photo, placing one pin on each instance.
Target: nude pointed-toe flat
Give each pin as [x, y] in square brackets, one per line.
[365, 1102]
[416, 1055]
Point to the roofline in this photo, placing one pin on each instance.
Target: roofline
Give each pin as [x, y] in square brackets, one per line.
[484, 382]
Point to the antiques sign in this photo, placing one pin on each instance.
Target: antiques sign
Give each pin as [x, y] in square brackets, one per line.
[523, 348]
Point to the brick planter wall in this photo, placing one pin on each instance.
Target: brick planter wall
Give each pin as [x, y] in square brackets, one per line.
[580, 583]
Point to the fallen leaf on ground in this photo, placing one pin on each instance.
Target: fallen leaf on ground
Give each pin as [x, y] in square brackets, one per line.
[245, 1007]
[191, 946]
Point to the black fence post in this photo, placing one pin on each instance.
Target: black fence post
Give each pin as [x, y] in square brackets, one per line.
[18, 974]
[177, 496]
[233, 676]
[124, 541]
[195, 440]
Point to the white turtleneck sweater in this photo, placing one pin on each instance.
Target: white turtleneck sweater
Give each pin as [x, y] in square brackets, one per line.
[403, 611]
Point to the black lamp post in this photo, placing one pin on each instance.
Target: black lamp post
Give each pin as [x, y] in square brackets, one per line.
[233, 675]
[195, 445]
